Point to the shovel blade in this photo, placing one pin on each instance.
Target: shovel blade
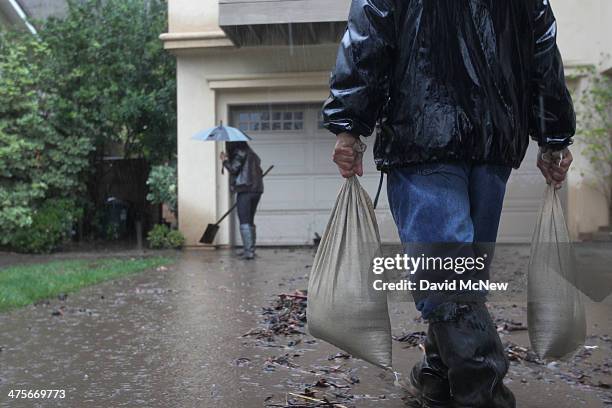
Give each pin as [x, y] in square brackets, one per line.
[209, 234]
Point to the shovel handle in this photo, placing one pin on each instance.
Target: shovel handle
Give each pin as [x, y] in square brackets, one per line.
[267, 171]
[236, 204]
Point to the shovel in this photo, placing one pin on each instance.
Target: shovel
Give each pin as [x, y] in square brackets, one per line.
[212, 229]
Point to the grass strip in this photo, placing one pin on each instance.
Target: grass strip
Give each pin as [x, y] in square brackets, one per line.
[25, 284]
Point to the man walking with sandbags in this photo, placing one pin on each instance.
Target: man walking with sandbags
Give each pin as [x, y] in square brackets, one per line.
[457, 87]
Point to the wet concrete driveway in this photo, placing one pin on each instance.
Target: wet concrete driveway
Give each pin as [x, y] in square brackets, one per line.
[174, 338]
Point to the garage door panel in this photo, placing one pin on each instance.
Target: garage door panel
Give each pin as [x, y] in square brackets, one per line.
[326, 191]
[284, 228]
[287, 193]
[526, 186]
[386, 225]
[320, 221]
[323, 163]
[287, 157]
[370, 184]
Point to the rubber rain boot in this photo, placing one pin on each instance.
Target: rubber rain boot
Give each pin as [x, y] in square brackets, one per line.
[429, 379]
[468, 344]
[246, 232]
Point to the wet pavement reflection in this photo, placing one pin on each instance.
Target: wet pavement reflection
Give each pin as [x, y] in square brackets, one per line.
[174, 337]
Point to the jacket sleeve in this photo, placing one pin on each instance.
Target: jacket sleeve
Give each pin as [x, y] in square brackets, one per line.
[234, 164]
[359, 83]
[552, 116]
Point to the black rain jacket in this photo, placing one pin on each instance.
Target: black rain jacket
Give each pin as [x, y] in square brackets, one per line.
[245, 169]
[451, 80]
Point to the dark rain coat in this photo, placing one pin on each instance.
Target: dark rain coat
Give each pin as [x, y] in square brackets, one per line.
[451, 80]
[245, 169]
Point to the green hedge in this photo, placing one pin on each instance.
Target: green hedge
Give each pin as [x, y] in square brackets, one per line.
[51, 226]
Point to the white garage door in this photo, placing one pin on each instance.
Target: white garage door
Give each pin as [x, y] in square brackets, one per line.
[302, 188]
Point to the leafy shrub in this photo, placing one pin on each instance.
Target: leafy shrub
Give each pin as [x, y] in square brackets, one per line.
[51, 226]
[175, 239]
[162, 186]
[38, 159]
[162, 237]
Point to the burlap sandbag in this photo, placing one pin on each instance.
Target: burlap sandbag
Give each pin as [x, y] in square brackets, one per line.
[556, 317]
[342, 308]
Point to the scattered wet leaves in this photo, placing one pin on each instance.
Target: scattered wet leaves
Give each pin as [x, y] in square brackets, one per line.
[286, 316]
[304, 400]
[339, 355]
[325, 383]
[507, 326]
[519, 353]
[321, 383]
[242, 362]
[58, 312]
[294, 343]
[411, 339]
[281, 361]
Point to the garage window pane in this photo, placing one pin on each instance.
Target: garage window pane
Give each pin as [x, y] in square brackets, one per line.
[272, 118]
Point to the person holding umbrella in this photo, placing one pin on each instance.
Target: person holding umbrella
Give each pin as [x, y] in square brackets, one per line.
[246, 181]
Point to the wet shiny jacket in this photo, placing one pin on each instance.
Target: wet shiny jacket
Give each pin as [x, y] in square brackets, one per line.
[245, 169]
[451, 80]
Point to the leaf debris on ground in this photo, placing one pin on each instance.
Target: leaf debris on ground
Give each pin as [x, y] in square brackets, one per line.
[286, 316]
[411, 339]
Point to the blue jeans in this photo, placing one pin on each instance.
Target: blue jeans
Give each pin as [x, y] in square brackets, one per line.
[454, 202]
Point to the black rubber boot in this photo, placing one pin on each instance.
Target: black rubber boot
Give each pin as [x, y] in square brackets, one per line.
[248, 243]
[429, 380]
[467, 344]
[429, 386]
